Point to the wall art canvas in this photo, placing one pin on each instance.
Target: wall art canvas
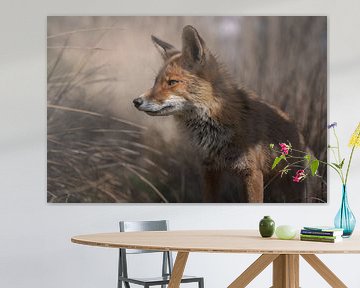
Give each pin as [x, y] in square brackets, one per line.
[148, 109]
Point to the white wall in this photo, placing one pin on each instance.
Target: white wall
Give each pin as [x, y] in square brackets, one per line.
[35, 248]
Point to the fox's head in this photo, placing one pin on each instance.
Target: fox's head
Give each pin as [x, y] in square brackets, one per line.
[184, 81]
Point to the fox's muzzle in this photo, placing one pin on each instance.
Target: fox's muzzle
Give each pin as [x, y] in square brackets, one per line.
[173, 104]
[138, 101]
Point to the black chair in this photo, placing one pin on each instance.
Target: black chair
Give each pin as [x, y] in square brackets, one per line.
[167, 262]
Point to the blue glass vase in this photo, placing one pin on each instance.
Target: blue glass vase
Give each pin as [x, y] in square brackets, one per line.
[345, 219]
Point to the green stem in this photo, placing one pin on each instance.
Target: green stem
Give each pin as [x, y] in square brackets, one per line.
[336, 169]
[333, 152]
[348, 166]
[350, 159]
[299, 166]
[299, 151]
[294, 157]
[338, 149]
[337, 143]
[299, 161]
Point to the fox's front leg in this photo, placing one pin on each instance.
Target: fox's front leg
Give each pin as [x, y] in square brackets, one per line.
[211, 185]
[253, 185]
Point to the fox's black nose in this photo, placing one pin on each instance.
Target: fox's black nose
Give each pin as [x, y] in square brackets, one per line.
[137, 102]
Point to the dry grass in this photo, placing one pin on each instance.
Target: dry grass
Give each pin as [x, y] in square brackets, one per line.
[101, 150]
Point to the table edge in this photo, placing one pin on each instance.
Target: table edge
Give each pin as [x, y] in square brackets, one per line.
[203, 250]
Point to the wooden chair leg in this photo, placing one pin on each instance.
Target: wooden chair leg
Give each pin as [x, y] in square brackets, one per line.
[178, 269]
[253, 270]
[324, 271]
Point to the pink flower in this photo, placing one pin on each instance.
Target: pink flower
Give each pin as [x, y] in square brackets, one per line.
[284, 148]
[299, 176]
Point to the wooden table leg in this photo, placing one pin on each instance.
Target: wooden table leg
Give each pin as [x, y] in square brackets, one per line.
[253, 270]
[286, 271]
[178, 269]
[293, 261]
[324, 271]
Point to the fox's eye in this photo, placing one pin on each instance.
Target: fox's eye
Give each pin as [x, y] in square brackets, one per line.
[172, 82]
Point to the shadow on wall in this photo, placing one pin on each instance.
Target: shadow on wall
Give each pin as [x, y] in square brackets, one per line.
[100, 149]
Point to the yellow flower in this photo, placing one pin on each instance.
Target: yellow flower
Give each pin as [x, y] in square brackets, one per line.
[355, 138]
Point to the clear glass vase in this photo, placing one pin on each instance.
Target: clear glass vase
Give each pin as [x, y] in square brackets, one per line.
[345, 219]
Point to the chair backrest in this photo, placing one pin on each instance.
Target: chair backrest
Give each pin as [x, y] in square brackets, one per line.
[133, 226]
[136, 226]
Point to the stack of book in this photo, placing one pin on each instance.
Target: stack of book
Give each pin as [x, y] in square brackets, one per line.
[321, 234]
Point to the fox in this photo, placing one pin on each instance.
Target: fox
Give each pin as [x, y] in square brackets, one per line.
[230, 126]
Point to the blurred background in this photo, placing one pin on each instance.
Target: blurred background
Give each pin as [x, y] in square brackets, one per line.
[100, 149]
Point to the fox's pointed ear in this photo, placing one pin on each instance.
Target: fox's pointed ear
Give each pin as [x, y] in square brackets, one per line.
[193, 46]
[166, 50]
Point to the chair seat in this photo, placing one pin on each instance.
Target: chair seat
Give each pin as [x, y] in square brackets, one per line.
[158, 280]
